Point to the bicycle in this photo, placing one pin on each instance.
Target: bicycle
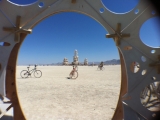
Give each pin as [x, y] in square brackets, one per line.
[100, 68]
[74, 73]
[26, 73]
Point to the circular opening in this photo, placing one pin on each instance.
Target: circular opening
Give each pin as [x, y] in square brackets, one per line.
[135, 67]
[143, 59]
[153, 78]
[118, 6]
[153, 12]
[127, 48]
[153, 51]
[149, 32]
[144, 72]
[23, 2]
[59, 96]
[136, 11]
[101, 10]
[41, 4]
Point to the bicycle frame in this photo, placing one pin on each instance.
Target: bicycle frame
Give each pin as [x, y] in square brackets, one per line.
[72, 73]
[31, 71]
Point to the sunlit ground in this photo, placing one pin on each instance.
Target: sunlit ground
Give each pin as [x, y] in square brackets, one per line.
[92, 96]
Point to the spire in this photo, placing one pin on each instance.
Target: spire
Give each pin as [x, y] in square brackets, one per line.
[76, 53]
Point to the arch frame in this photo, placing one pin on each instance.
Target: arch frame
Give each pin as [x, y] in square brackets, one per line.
[131, 83]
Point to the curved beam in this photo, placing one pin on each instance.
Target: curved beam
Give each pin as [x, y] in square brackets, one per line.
[118, 115]
[11, 89]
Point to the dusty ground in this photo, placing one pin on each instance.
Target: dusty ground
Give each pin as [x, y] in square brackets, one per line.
[92, 96]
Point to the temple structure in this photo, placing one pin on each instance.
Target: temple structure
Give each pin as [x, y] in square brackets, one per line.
[75, 58]
[65, 61]
[85, 61]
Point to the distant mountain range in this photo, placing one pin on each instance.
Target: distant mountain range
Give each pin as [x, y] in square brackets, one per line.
[111, 62]
[108, 62]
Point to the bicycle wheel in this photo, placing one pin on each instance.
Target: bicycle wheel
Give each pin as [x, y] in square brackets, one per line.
[37, 74]
[24, 73]
[74, 75]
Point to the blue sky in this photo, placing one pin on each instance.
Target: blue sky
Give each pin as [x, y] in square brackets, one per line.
[58, 36]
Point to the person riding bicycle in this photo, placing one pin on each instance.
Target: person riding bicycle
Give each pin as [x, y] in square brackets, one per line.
[72, 73]
[35, 65]
[101, 65]
[74, 68]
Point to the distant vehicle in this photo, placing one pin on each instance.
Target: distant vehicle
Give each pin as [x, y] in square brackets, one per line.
[100, 68]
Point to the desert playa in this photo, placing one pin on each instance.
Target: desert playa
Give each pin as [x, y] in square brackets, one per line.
[92, 96]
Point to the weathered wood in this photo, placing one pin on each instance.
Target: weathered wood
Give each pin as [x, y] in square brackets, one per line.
[117, 36]
[118, 29]
[11, 90]
[73, 1]
[17, 30]
[118, 115]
